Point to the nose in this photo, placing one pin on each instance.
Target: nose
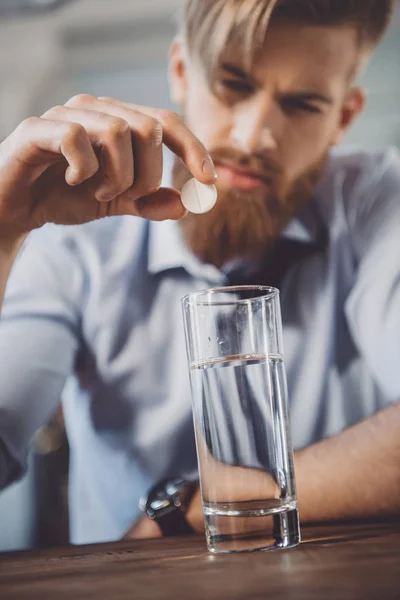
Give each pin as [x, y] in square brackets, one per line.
[252, 129]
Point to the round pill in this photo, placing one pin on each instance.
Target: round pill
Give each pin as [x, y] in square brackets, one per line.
[198, 197]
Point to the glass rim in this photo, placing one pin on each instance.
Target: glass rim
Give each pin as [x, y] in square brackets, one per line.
[266, 293]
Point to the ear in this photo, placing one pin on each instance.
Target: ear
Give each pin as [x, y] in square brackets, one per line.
[177, 73]
[353, 105]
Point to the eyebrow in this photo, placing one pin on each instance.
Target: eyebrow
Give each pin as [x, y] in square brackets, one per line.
[307, 96]
[238, 72]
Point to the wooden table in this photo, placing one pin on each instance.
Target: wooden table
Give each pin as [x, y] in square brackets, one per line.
[333, 562]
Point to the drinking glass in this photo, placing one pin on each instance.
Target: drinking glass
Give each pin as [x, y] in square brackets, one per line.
[241, 420]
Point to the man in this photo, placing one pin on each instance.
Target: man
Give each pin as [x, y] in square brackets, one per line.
[99, 307]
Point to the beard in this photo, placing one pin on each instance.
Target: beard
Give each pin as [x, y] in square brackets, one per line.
[245, 224]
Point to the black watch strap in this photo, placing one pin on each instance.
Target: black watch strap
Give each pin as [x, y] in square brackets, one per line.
[174, 524]
[167, 503]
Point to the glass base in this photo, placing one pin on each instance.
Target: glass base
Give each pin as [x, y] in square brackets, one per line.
[251, 530]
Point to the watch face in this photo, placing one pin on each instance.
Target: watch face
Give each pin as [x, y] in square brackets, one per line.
[163, 498]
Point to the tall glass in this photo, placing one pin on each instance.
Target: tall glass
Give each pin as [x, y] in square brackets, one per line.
[240, 410]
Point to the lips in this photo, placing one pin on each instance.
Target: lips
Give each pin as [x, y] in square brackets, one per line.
[241, 178]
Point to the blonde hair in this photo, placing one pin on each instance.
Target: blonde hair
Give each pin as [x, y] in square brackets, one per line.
[211, 27]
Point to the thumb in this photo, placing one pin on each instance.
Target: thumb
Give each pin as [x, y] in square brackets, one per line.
[159, 206]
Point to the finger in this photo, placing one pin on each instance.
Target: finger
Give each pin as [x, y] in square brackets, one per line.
[160, 206]
[147, 148]
[37, 137]
[112, 136]
[147, 138]
[176, 136]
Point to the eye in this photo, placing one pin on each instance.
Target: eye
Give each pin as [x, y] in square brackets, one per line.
[237, 86]
[296, 105]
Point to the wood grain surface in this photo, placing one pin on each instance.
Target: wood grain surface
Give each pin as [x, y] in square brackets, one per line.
[341, 562]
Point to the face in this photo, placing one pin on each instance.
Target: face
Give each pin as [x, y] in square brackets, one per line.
[268, 129]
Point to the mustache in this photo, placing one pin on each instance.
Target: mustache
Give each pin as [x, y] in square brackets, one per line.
[264, 166]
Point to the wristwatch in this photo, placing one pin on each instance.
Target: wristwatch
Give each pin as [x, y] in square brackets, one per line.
[167, 502]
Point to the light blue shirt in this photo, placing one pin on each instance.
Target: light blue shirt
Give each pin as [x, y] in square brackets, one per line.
[93, 315]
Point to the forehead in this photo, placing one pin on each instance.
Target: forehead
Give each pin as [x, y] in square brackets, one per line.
[306, 55]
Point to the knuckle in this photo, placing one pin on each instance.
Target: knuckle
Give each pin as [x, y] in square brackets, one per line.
[169, 117]
[80, 100]
[27, 124]
[53, 112]
[23, 138]
[116, 128]
[152, 132]
[74, 132]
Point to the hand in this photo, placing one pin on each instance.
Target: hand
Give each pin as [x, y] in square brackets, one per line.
[221, 483]
[93, 157]
[225, 483]
[143, 529]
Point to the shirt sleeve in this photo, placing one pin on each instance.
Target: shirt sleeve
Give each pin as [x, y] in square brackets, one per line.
[373, 306]
[39, 334]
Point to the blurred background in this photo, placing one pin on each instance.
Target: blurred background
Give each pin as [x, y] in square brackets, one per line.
[53, 49]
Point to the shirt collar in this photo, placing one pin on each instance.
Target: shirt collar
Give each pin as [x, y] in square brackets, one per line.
[305, 227]
[167, 249]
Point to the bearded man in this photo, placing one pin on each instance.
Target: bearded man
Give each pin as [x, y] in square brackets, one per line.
[93, 313]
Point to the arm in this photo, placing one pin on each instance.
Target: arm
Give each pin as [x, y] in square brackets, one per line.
[354, 475]
[92, 158]
[39, 340]
[358, 471]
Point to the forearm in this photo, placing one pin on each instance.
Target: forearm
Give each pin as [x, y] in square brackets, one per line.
[354, 475]
[10, 245]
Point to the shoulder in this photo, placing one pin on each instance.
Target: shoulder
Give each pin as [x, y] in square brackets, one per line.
[364, 167]
[355, 166]
[359, 181]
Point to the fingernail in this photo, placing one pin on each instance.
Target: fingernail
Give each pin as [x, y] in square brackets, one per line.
[209, 168]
